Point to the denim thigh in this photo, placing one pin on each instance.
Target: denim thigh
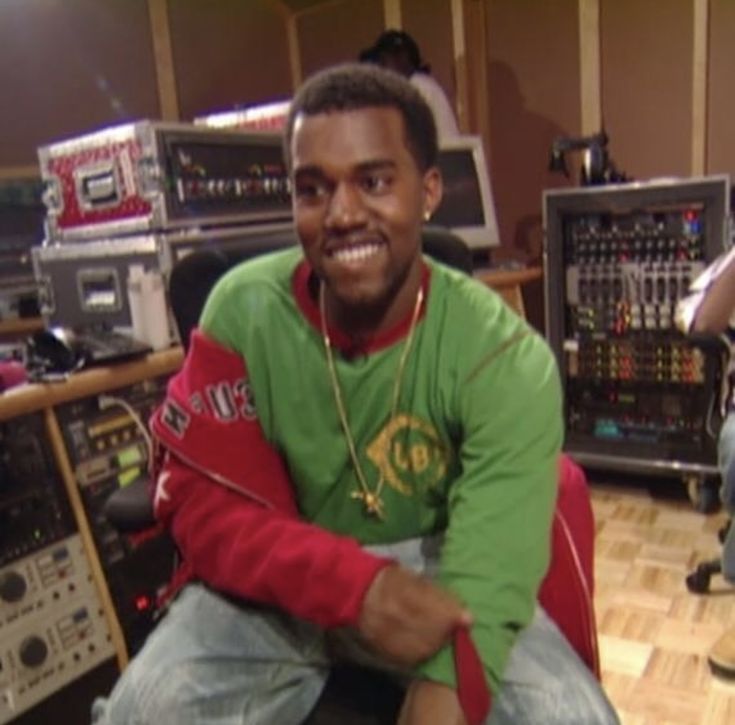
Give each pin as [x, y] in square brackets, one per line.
[209, 660]
[212, 661]
[546, 682]
[726, 463]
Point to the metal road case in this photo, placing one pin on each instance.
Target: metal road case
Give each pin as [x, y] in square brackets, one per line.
[639, 395]
[154, 176]
[84, 284]
[268, 116]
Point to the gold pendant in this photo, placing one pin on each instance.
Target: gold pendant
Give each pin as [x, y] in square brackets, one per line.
[373, 503]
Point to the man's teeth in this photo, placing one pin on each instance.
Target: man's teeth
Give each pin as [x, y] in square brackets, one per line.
[358, 253]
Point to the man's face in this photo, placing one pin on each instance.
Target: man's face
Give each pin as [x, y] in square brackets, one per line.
[359, 203]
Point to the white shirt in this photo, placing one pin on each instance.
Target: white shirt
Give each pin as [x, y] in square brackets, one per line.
[687, 308]
[433, 94]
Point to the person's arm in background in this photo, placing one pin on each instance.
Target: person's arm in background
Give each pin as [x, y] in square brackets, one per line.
[444, 116]
[718, 303]
[710, 302]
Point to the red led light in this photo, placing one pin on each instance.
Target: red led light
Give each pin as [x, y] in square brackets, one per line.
[142, 602]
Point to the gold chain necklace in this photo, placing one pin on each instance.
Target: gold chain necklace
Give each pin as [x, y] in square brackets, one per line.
[371, 498]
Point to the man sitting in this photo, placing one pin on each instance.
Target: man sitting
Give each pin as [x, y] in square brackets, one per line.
[360, 459]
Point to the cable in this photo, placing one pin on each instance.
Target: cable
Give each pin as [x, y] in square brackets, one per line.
[106, 401]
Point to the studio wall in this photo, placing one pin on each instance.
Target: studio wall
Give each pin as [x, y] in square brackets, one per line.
[533, 96]
[227, 54]
[70, 66]
[519, 72]
[720, 153]
[336, 32]
[646, 53]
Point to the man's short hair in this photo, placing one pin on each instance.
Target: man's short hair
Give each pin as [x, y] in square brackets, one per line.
[354, 86]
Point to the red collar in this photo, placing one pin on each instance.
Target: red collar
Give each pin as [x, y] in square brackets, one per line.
[341, 340]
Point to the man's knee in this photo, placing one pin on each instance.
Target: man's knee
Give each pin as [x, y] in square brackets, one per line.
[546, 681]
[209, 660]
[578, 703]
[146, 696]
[192, 693]
[586, 704]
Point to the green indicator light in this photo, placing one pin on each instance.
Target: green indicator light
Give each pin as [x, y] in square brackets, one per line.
[129, 456]
[128, 476]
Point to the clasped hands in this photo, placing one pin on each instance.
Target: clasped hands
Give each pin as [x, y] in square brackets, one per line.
[406, 618]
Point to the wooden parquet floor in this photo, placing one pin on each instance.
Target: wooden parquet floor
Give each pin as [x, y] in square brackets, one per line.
[654, 634]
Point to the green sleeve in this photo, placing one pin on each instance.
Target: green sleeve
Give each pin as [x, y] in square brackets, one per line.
[497, 543]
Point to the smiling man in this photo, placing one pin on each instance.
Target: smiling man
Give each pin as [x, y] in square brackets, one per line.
[361, 449]
[357, 195]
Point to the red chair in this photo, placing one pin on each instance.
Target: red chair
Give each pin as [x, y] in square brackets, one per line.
[567, 591]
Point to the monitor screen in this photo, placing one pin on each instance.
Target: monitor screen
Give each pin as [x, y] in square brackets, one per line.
[467, 206]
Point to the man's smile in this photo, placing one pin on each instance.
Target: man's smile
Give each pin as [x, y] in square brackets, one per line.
[355, 255]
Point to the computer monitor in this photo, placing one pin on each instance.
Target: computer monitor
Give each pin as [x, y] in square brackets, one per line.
[467, 206]
[22, 215]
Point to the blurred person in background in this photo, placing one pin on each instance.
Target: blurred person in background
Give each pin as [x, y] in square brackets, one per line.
[398, 51]
[710, 309]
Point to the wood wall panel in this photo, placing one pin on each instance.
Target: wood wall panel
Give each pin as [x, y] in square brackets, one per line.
[336, 32]
[429, 22]
[228, 54]
[533, 96]
[721, 99]
[67, 67]
[71, 66]
[646, 70]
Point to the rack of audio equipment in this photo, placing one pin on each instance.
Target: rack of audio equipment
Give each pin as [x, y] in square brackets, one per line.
[639, 396]
[71, 608]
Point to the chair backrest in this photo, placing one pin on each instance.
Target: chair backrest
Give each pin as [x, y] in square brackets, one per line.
[190, 282]
[193, 276]
[446, 247]
[567, 591]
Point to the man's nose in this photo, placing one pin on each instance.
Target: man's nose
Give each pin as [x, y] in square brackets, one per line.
[346, 208]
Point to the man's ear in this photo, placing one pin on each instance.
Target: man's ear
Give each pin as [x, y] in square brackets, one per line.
[433, 190]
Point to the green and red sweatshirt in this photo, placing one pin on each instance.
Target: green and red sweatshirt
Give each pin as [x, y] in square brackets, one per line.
[472, 452]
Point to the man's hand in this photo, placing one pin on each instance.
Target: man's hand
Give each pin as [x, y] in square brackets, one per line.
[406, 618]
[431, 702]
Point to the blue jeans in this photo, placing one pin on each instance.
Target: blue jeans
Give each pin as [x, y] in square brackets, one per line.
[726, 464]
[212, 661]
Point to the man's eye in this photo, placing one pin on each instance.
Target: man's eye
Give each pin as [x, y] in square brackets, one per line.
[310, 191]
[376, 183]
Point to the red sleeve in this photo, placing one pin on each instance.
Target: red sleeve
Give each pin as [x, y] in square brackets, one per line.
[241, 548]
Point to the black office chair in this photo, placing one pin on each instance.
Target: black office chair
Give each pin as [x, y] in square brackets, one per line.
[446, 247]
[353, 694]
